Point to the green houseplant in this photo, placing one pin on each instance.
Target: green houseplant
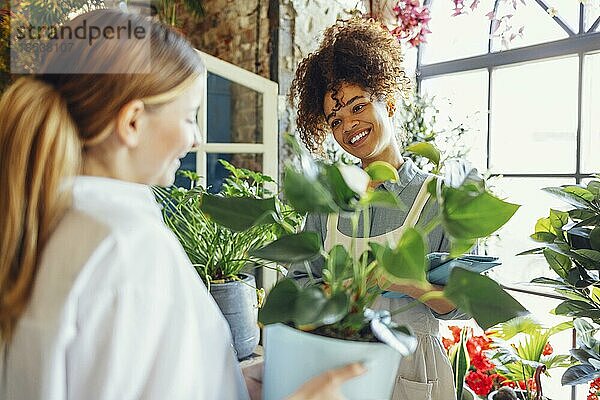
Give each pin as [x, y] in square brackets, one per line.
[221, 255]
[340, 306]
[570, 243]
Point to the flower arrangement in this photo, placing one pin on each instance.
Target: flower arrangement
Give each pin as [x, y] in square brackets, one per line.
[508, 354]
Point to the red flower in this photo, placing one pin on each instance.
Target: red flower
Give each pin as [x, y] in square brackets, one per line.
[455, 333]
[595, 384]
[547, 349]
[481, 362]
[592, 396]
[476, 344]
[447, 343]
[479, 382]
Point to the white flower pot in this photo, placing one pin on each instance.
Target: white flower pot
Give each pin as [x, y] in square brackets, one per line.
[292, 357]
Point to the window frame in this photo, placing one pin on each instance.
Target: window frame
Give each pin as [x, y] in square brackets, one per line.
[580, 43]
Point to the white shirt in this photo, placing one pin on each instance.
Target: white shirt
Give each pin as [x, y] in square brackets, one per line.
[118, 311]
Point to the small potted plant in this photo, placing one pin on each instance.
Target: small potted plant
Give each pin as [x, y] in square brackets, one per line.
[221, 255]
[329, 324]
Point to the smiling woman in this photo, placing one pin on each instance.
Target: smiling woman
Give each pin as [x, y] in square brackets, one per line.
[348, 87]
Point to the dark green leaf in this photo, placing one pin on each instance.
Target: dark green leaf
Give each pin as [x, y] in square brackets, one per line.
[339, 262]
[426, 150]
[309, 303]
[537, 250]
[579, 375]
[559, 263]
[280, 303]
[297, 247]
[578, 214]
[470, 216]
[543, 237]
[575, 308]
[238, 213]
[334, 310]
[593, 255]
[307, 195]
[595, 238]
[481, 297]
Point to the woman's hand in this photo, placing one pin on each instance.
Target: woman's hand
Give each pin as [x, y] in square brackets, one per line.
[440, 305]
[327, 385]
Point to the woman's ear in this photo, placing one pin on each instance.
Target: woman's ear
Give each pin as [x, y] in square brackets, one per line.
[128, 124]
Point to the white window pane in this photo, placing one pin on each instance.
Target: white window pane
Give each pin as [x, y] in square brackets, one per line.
[534, 117]
[590, 115]
[463, 99]
[456, 37]
[539, 27]
[568, 10]
[592, 13]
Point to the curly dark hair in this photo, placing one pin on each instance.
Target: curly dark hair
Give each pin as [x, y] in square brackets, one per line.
[355, 51]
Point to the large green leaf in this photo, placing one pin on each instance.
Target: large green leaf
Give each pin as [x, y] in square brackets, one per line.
[579, 192]
[309, 303]
[568, 197]
[334, 310]
[306, 195]
[575, 308]
[238, 213]
[592, 255]
[407, 261]
[469, 215]
[343, 192]
[382, 171]
[558, 219]
[561, 264]
[481, 297]
[339, 263]
[426, 150]
[297, 247]
[280, 303]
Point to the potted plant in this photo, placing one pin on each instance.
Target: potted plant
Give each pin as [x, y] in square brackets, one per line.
[337, 311]
[221, 255]
[570, 243]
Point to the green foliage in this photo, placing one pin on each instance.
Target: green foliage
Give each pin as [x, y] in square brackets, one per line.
[217, 250]
[518, 347]
[570, 244]
[467, 210]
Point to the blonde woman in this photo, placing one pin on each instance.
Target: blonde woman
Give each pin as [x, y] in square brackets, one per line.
[97, 298]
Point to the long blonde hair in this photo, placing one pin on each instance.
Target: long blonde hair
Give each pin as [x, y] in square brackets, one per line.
[49, 120]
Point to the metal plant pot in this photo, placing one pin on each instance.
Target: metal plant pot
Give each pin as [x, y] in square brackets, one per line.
[292, 357]
[239, 304]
